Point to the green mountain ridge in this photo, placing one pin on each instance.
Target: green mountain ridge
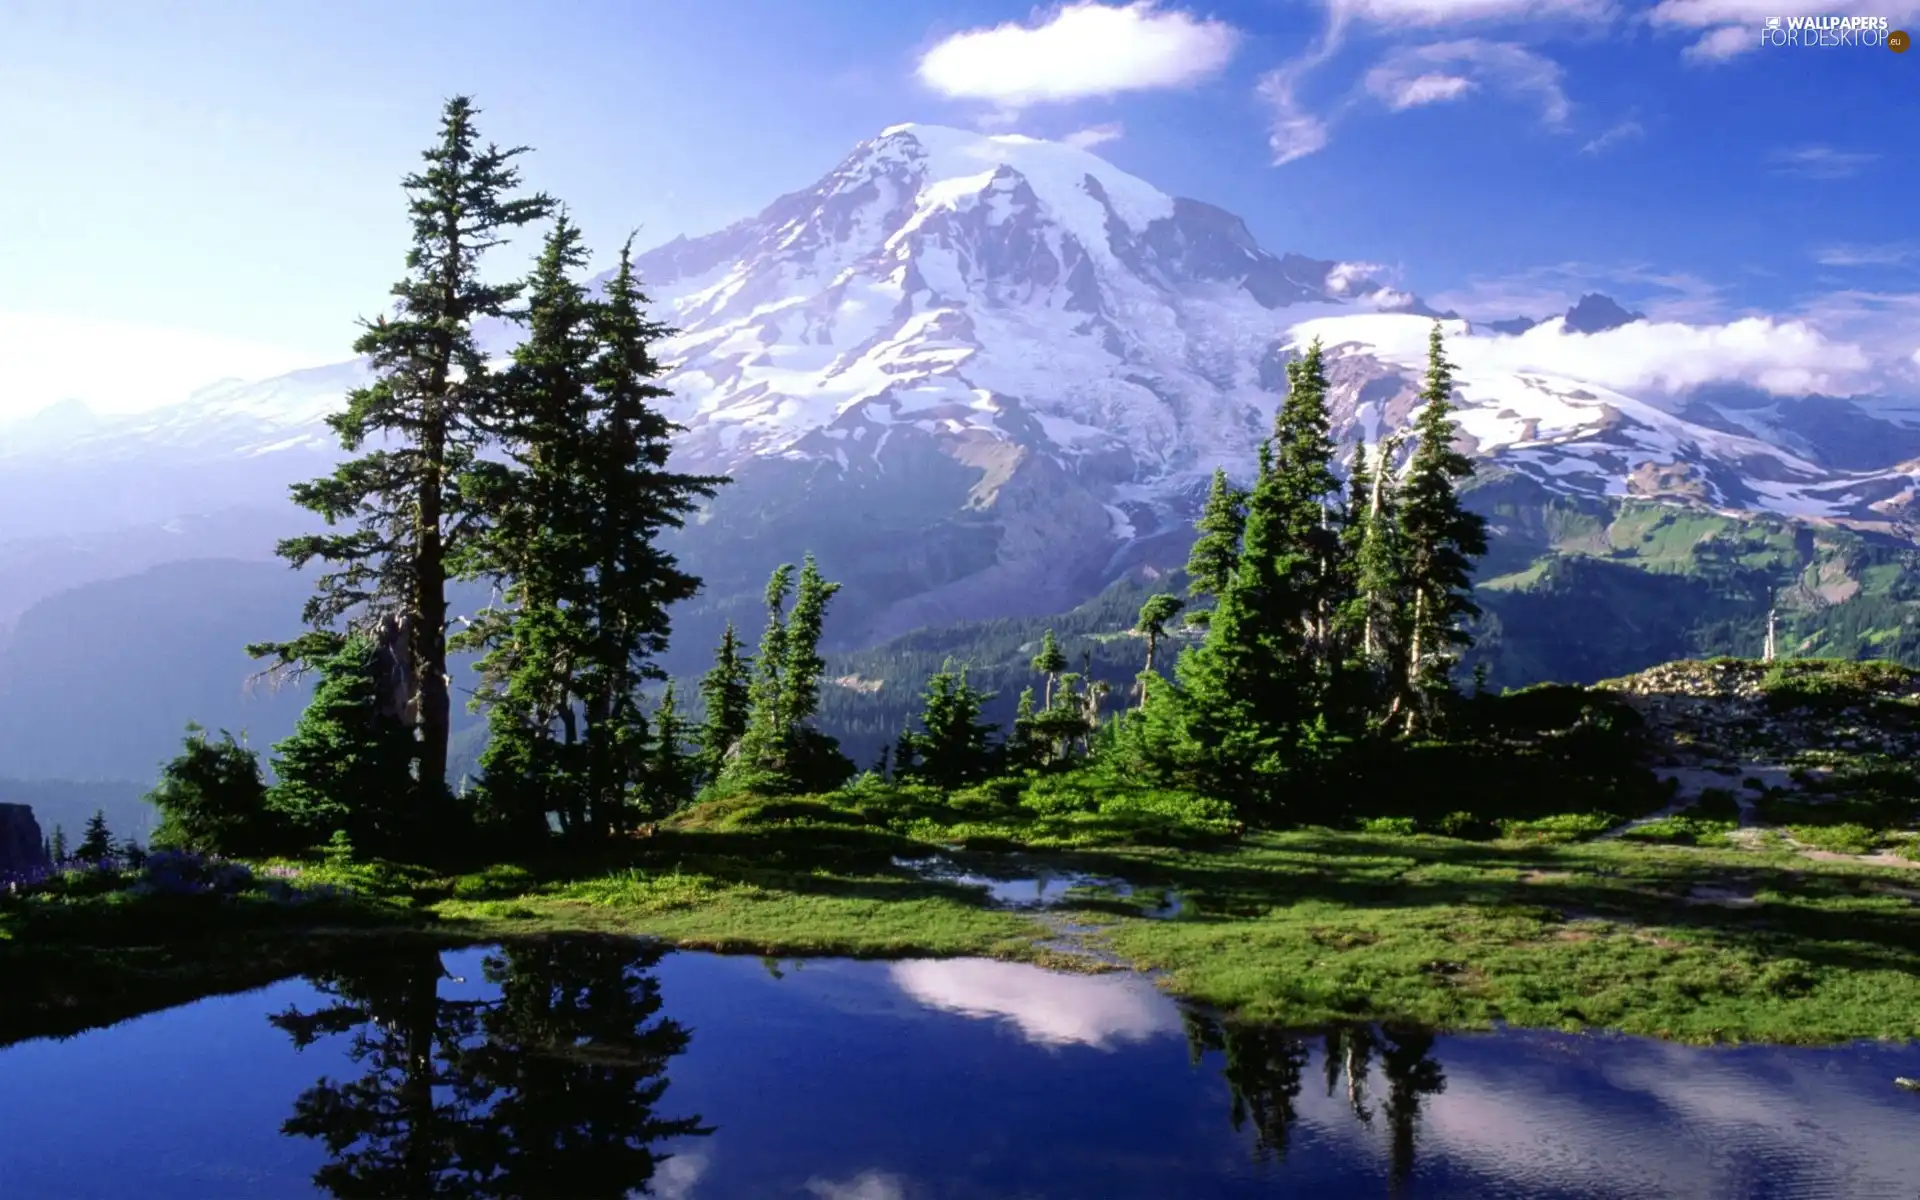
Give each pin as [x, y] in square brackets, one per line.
[103, 677]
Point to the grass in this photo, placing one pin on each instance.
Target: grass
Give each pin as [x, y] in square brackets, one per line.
[1536, 926]
[1317, 926]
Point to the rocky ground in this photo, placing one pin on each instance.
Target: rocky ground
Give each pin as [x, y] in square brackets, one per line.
[1821, 741]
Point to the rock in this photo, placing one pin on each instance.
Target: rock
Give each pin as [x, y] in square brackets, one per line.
[21, 846]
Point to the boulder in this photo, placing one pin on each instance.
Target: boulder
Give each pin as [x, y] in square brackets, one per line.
[21, 846]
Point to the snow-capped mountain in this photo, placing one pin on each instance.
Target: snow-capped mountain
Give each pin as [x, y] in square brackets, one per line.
[979, 366]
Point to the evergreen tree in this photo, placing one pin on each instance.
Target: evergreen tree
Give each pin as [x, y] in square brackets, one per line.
[345, 766]
[1290, 542]
[579, 509]
[212, 800]
[955, 747]
[1049, 662]
[1152, 625]
[906, 754]
[1250, 697]
[781, 750]
[1377, 608]
[764, 740]
[1215, 557]
[726, 696]
[96, 842]
[632, 500]
[1441, 539]
[57, 845]
[431, 392]
[1023, 748]
[535, 547]
[671, 771]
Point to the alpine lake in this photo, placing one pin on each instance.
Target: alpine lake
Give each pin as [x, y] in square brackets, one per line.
[590, 1066]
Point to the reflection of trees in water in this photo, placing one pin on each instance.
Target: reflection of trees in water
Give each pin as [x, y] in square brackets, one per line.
[546, 1090]
[1264, 1067]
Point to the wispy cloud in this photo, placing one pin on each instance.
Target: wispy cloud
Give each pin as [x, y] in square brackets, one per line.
[1820, 162]
[1443, 71]
[1623, 131]
[1417, 76]
[1884, 254]
[869, 1185]
[1096, 135]
[1080, 51]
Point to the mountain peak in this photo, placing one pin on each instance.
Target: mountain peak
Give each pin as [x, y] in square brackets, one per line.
[959, 162]
[1594, 313]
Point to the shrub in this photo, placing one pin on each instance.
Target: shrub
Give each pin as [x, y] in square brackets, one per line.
[1845, 838]
[1463, 825]
[212, 799]
[1389, 826]
[1560, 828]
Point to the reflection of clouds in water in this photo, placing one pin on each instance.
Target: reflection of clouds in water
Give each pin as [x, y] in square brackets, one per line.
[675, 1178]
[1049, 1008]
[1649, 1118]
[868, 1185]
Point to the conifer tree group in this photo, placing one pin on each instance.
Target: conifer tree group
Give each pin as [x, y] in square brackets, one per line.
[1318, 613]
[1337, 613]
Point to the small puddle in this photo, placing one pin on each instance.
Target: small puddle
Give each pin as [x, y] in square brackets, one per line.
[1041, 889]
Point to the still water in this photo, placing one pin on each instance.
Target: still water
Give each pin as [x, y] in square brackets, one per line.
[591, 1068]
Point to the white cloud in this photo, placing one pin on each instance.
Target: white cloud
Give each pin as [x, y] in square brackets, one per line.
[1402, 93]
[1730, 28]
[1095, 135]
[869, 1185]
[1621, 132]
[1885, 254]
[676, 1176]
[1821, 162]
[1442, 71]
[116, 367]
[1049, 1008]
[1082, 50]
[1784, 357]
[1346, 274]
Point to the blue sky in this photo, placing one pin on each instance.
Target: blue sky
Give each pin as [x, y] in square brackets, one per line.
[210, 187]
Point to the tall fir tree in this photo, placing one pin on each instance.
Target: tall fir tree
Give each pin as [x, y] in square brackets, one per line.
[1248, 701]
[726, 699]
[579, 509]
[533, 549]
[431, 391]
[1441, 539]
[632, 500]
